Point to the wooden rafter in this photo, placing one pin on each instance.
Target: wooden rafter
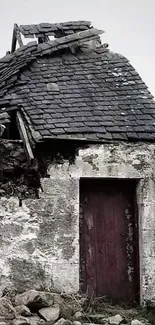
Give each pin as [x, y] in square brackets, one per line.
[16, 37]
[24, 137]
[19, 38]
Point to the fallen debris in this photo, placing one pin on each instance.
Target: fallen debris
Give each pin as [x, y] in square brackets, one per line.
[46, 308]
[115, 320]
[136, 322]
[19, 320]
[36, 320]
[23, 310]
[50, 314]
[7, 311]
[35, 300]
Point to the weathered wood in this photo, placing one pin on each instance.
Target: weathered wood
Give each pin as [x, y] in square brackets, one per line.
[24, 137]
[19, 38]
[14, 39]
[108, 240]
[43, 39]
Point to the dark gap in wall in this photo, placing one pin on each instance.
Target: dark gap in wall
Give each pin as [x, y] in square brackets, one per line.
[17, 177]
[11, 132]
[21, 183]
[20, 203]
[56, 151]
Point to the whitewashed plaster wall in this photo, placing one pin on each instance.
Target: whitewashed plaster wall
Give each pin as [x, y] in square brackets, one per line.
[39, 246]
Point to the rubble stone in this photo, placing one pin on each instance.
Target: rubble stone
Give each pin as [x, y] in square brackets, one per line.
[76, 322]
[115, 320]
[50, 313]
[136, 322]
[96, 317]
[6, 309]
[58, 300]
[63, 321]
[21, 321]
[36, 320]
[34, 299]
[23, 310]
[66, 311]
[70, 307]
[78, 315]
[66, 308]
[90, 323]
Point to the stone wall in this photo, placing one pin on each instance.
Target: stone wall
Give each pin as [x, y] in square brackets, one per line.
[39, 246]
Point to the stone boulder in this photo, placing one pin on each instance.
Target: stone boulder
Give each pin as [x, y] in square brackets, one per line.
[20, 321]
[78, 315]
[136, 322]
[7, 311]
[66, 306]
[76, 322]
[115, 320]
[23, 310]
[50, 314]
[66, 311]
[34, 299]
[63, 321]
[76, 304]
[36, 320]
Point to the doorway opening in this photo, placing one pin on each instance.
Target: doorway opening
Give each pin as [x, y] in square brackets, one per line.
[109, 245]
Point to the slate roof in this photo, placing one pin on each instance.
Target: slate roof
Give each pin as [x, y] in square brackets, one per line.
[56, 30]
[69, 89]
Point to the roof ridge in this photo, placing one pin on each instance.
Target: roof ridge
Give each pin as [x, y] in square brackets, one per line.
[79, 36]
[57, 29]
[11, 64]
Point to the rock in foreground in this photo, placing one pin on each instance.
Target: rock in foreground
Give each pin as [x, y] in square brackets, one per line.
[23, 310]
[115, 320]
[6, 309]
[34, 299]
[136, 322]
[50, 314]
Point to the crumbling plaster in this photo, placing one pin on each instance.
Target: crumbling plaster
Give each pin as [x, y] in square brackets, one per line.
[39, 245]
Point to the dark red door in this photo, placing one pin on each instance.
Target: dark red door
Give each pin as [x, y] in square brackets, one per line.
[109, 239]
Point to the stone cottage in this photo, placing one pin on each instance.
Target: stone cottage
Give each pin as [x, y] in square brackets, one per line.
[77, 167]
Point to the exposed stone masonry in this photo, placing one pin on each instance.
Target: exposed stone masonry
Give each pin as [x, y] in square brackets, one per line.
[40, 236]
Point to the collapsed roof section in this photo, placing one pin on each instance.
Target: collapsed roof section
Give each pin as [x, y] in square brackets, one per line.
[73, 87]
[11, 64]
[43, 31]
[56, 30]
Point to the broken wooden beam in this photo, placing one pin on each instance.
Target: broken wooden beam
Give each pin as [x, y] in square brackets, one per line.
[18, 36]
[14, 39]
[24, 137]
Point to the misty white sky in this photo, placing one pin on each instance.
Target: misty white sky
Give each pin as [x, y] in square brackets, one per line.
[129, 25]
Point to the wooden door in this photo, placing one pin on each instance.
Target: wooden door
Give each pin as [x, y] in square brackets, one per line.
[109, 239]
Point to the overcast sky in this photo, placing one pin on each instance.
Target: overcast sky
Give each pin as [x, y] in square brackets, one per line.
[129, 25]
